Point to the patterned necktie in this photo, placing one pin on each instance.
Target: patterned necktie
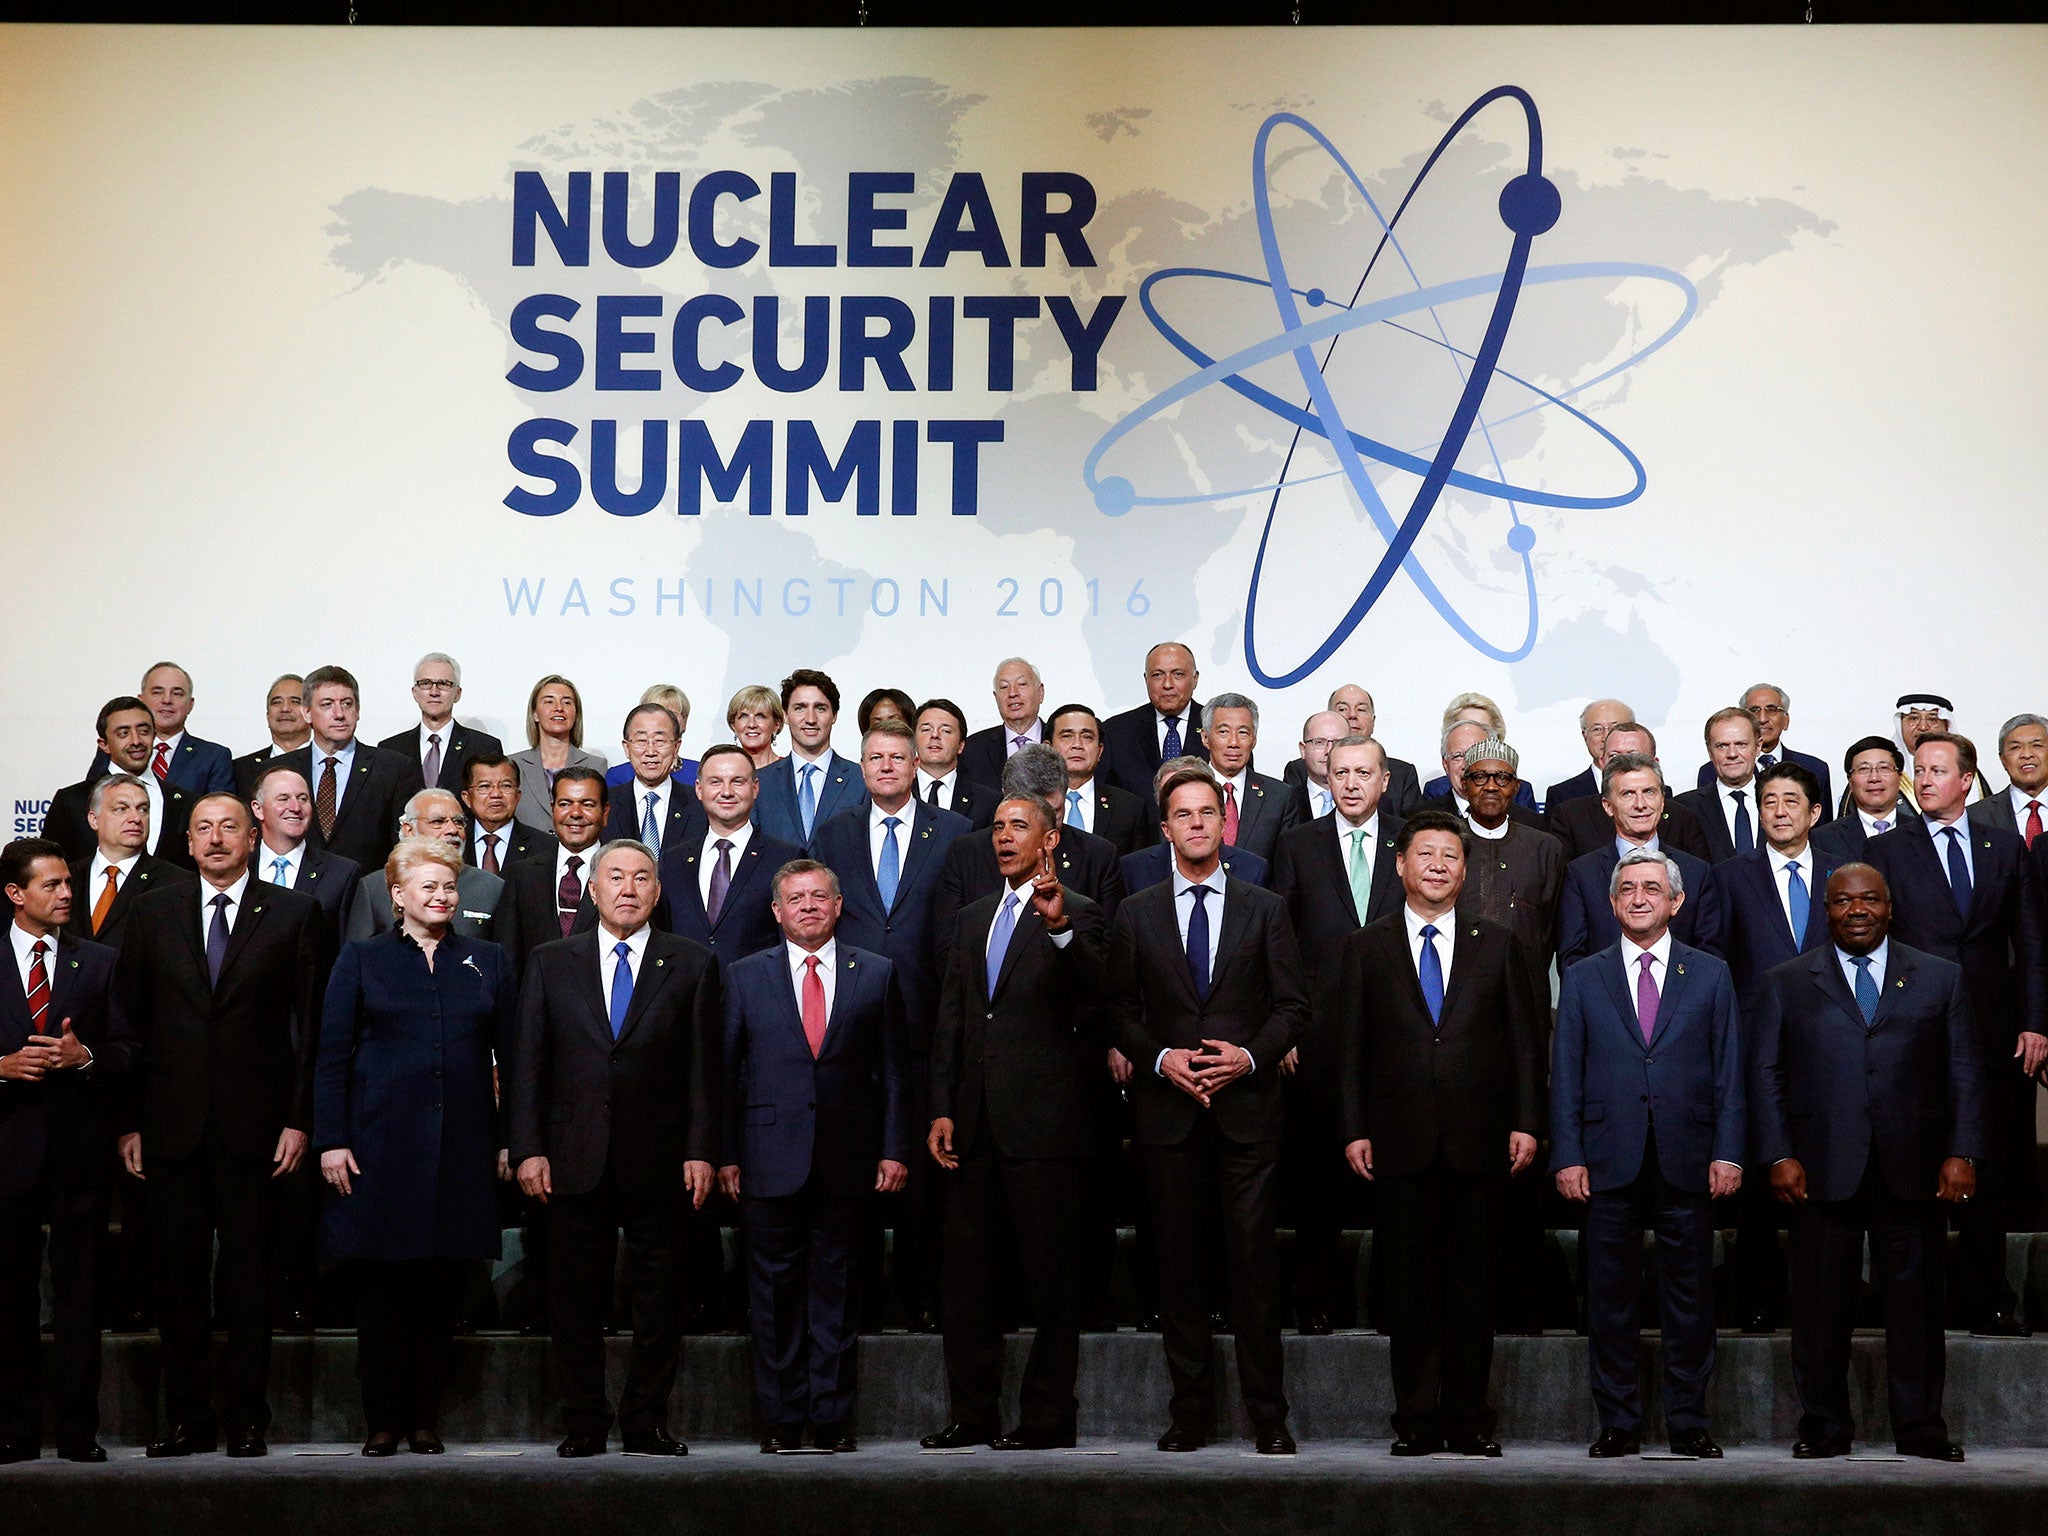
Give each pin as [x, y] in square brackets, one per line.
[650, 826]
[888, 868]
[1198, 940]
[2033, 821]
[490, 853]
[277, 870]
[38, 988]
[721, 881]
[160, 765]
[1230, 813]
[1745, 834]
[323, 799]
[1170, 747]
[1074, 808]
[814, 1006]
[807, 799]
[569, 894]
[1430, 971]
[431, 769]
[999, 940]
[1866, 988]
[1647, 998]
[1800, 901]
[217, 939]
[1958, 871]
[1361, 875]
[1769, 759]
[622, 986]
[101, 907]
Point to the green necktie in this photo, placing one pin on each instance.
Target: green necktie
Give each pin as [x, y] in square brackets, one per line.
[1361, 874]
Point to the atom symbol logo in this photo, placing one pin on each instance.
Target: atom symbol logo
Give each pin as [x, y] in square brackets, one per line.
[1488, 397]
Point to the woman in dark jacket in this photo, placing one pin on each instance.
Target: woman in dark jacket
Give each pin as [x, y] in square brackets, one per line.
[407, 1132]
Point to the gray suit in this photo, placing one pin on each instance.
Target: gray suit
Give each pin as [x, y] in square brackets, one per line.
[476, 898]
[536, 794]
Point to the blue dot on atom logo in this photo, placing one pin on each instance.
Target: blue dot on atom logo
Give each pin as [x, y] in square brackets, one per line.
[1529, 206]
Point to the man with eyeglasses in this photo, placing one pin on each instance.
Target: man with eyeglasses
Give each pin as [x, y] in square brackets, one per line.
[1771, 708]
[1457, 738]
[1313, 795]
[1356, 716]
[439, 744]
[1595, 721]
[2023, 749]
[653, 808]
[1875, 769]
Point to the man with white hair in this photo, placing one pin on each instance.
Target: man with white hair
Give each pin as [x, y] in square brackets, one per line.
[1771, 708]
[1595, 721]
[430, 813]
[1020, 695]
[438, 744]
[1357, 715]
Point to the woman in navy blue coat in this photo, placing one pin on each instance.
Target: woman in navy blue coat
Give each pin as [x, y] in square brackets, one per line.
[406, 1127]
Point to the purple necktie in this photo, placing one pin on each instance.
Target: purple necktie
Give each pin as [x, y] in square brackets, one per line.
[721, 882]
[1646, 999]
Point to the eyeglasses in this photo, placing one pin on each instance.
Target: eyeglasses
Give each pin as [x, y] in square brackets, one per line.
[1767, 709]
[1325, 742]
[433, 684]
[1484, 778]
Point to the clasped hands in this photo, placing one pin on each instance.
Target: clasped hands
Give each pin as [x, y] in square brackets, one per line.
[1204, 1073]
[43, 1054]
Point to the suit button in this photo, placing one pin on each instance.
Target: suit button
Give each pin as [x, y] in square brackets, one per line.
[1646, 1098]
[988, 1015]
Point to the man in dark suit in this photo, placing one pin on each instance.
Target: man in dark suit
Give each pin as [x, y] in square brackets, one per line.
[490, 793]
[434, 813]
[1726, 804]
[1865, 1100]
[440, 744]
[1335, 874]
[1966, 893]
[1873, 767]
[1633, 792]
[548, 899]
[1020, 695]
[106, 883]
[178, 759]
[1775, 913]
[1771, 708]
[358, 790]
[1167, 725]
[612, 1110]
[941, 782]
[1646, 1108]
[65, 1045]
[1454, 800]
[816, 1120]
[1092, 805]
[284, 711]
[1583, 824]
[1205, 1001]
[888, 856]
[803, 791]
[1256, 808]
[1013, 1058]
[717, 888]
[1595, 721]
[1442, 1103]
[223, 985]
[1361, 718]
[653, 808]
[127, 738]
[282, 804]
[1309, 773]
[2023, 749]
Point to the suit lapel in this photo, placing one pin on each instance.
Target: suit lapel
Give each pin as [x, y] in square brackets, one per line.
[358, 788]
[1898, 981]
[1987, 870]
[1029, 926]
[1464, 957]
[589, 984]
[255, 905]
[850, 975]
[14, 1007]
[1677, 982]
[1827, 975]
[1230, 937]
[691, 896]
[1166, 916]
[1614, 976]
[651, 982]
[918, 849]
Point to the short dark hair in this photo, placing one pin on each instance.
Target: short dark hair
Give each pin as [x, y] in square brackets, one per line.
[1041, 813]
[1966, 749]
[1785, 768]
[1873, 744]
[477, 760]
[271, 770]
[959, 715]
[18, 859]
[810, 677]
[1181, 778]
[797, 867]
[1432, 821]
[906, 706]
[725, 749]
[674, 724]
[341, 675]
[1075, 709]
[118, 706]
[578, 771]
[1628, 762]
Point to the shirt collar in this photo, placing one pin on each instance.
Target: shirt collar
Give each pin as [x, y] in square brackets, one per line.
[925, 780]
[1417, 922]
[1182, 884]
[828, 954]
[101, 864]
[1371, 824]
[1878, 959]
[903, 814]
[234, 893]
[24, 941]
[1804, 859]
[798, 761]
[1631, 950]
[1936, 827]
[1496, 835]
[1623, 847]
[608, 942]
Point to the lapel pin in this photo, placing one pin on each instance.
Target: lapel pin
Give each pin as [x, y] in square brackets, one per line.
[74, 965]
[849, 965]
[1681, 970]
[658, 964]
[927, 832]
[255, 911]
[469, 962]
[1900, 983]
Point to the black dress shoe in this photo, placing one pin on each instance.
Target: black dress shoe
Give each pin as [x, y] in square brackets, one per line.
[924, 1320]
[654, 1442]
[781, 1437]
[2000, 1325]
[1472, 1445]
[1219, 1322]
[183, 1440]
[834, 1437]
[1314, 1325]
[1273, 1440]
[1696, 1443]
[1180, 1438]
[1417, 1446]
[383, 1443]
[954, 1436]
[1933, 1450]
[85, 1451]
[245, 1443]
[1818, 1450]
[425, 1442]
[1613, 1443]
[1148, 1322]
[12, 1451]
[1756, 1323]
[580, 1443]
[533, 1330]
[1026, 1438]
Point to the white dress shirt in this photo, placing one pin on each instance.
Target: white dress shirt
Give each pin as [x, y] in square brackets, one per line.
[1891, 822]
[1938, 830]
[828, 956]
[608, 959]
[2021, 799]
[96, 881]
[24, 955]
[563, 855]
[478, 832]
[707, 862]
[1086, 791]
[948, 782]
[1033, 734]
[447, 735]
[1803, 862]
[233, 911]
[344, 765]
[1727, 799]
[1320, 801]
[1446, 940]
[1022, 891]
[903, 816]
[1370, 847]
[661, 793]
[266, 865]
[1188, 738]
[1183, 910]
[1632, 967]
[155, 791]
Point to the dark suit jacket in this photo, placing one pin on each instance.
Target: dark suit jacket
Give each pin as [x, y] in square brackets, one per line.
[1023, 1060]
[200, 768]
[746, 924]
[327, 877]
[1122, 818]
[1583, 825]
[1460, 1088]
[976, 801]
[366, 822]
[642, 1104]
[1268, 809]
[458, 744]
[1256, 1000]
[1403, 791]
[1705, 805]
[1149, 866]
[792, 1119]
[527, 915]
[1311, 875]
[1130, 748]
[1759, 937]
[1087, 864]
[1438, 789]
[67, 1117]
[685, 822]
[1826, 1088]
[1607, 1087]
[248, 766]
[985, 751]
[240, 1054]
[1844, 839]
[1585, 913]
[902, 932]
[1998, 945]
[1517, 811]
[1579, 786]
[65, 825]
[149, 874]
[1814, 765]
[841, 788]
[516, 841]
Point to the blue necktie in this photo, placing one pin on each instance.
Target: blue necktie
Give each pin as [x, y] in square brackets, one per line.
[1800, 901]
[807, 799]
[1432, 974]
[1958, 871]
[888, 869]
[277, 869]
[1745, 834]
[1866, 988]
[999, 941]
[650, 829]
[1074, 808]
[1198, 940]
[1768, 760]
[1170, 747]
[622, 986]
[217, 939]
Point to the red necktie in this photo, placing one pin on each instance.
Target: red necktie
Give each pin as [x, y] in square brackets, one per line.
[490, 864]
[1230, 814]
[814, 1005]
[160, 765]
[2033, 821]
[38, 989]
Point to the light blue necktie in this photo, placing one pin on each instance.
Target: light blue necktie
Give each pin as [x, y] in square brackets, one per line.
[622, 986]
[650, 829]
[277, 869]
[888, 869]
[999, 941]
[807, 799]
[1432, 974]
[1958, 871]
[1866, 988]
[1800, 901]
[1074, 808]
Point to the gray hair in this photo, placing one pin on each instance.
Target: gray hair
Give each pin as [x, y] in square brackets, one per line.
[445, 659]
[1234, 701]
[625, 845]
[2015, 723]
[1443, 742]
[111, 781]
[1462, 702]
[1628, 762]
[1361, 741]
[1016, 661]
[1646, 856]
[1037, 771]
[410, 816]
[1593, 704]
[1784, 698]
